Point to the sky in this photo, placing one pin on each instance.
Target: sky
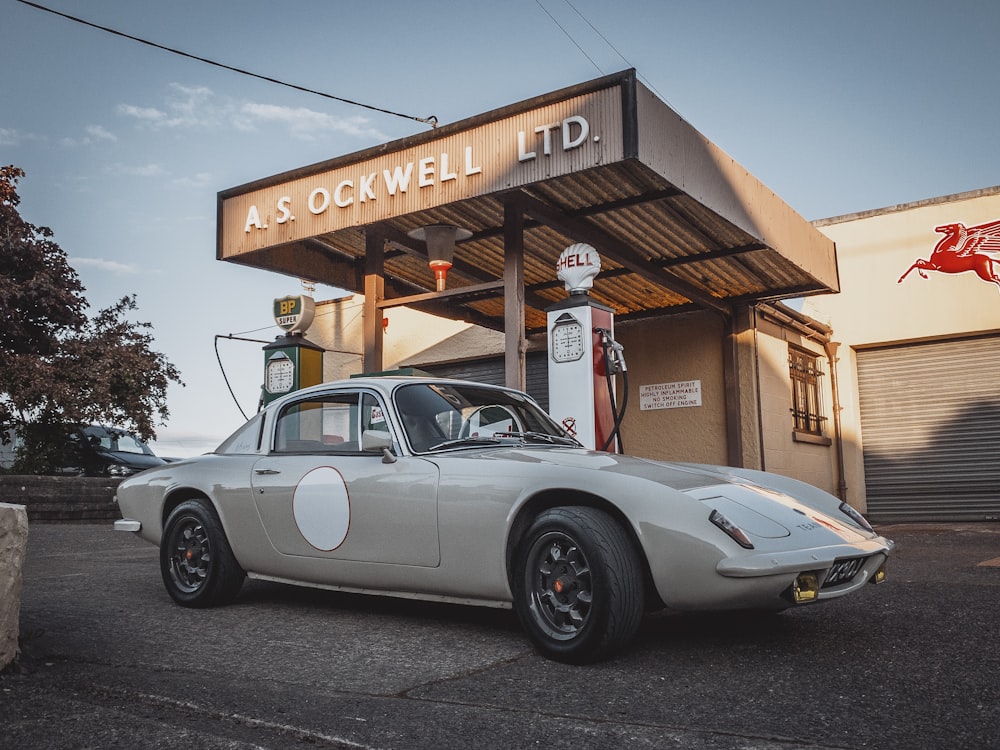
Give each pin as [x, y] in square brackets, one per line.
[838, 107]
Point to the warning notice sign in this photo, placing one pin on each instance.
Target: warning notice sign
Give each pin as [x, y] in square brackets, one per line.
[670, 395]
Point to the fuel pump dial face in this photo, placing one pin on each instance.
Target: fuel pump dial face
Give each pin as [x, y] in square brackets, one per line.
[567, 339]
[280, 375]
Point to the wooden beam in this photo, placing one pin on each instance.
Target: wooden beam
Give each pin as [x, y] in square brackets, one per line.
[427, 301]
[374, 292]
[733, 396]
[727, 252]
[418, 250]
[515, 345]
[460, 294]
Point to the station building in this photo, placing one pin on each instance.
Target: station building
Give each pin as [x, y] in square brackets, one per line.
[918, 323]
[697, 258]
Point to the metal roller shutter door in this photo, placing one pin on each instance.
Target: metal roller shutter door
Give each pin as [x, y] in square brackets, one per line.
[491, 370]
[930, 421]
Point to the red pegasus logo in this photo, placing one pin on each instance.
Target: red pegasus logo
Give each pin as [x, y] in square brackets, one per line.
[963, 249]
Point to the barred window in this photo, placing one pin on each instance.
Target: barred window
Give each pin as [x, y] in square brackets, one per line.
[806, 406]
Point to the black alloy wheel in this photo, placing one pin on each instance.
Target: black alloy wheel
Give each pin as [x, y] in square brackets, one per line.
[196, 562]
[578, 585]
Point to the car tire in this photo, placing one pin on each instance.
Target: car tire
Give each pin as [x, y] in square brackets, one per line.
[196, 561]
[578, 585]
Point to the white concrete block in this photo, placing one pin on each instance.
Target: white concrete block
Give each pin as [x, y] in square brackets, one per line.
[13, 547]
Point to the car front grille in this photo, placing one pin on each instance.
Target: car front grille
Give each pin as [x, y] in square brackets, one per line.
[844, 570]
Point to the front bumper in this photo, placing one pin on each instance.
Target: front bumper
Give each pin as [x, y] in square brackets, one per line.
[753, 564]
[819, 561]
[128, 524]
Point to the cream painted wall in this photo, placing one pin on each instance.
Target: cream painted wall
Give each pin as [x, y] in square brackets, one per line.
[410, 336]
[810, 462]
[690, 347]
[874, 249]
[667, 350]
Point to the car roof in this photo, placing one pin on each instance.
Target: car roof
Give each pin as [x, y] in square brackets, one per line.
[384, 383]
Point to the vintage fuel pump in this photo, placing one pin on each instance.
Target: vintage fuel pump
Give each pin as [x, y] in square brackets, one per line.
[584, 357]
[291, 361]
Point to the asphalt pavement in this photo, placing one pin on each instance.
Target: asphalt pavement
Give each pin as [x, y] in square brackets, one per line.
[110, 662]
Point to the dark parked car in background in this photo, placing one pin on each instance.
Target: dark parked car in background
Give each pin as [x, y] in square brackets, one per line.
[86, 450]
[100, 451]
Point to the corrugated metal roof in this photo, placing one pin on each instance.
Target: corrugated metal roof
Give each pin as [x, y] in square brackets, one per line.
[671, 251]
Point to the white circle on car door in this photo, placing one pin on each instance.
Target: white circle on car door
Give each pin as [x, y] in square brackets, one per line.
[322, 509]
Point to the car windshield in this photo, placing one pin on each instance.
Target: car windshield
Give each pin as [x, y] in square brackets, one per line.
[439, 416]
[113, 440]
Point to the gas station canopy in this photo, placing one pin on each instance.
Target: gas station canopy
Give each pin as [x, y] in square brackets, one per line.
[679, 224]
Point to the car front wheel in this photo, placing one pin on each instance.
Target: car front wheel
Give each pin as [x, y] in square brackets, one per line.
[578, 585]
[196, 561]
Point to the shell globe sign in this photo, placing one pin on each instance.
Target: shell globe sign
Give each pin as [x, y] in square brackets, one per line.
[577, 267]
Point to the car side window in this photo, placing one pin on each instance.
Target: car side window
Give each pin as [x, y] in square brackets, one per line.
[246, 439]
[331, 423]
[372, 414]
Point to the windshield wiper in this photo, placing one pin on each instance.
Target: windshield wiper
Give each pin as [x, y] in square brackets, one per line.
[501, 438]
[541, 436]
[475, 440]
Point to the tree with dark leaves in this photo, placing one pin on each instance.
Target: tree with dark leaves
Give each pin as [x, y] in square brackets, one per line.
[59, 367]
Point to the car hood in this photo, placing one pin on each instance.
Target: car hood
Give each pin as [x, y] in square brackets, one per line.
[678, 476]
[768, 505]
[136, 460]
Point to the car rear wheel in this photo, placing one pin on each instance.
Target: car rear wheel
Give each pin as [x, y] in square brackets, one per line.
[578, 585]
[196, 561]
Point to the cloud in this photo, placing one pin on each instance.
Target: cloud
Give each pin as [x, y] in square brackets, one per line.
[190, 104]
[93, 134]
[145, 170]
[189, 107]
[103, 264]
[12, 137]
[100, 133]
[200, 180]
[307, 124]
[183, 107]
[198, 107]
[144, 114]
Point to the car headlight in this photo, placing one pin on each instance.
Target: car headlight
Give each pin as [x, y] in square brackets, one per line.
[737, 534]
[856, 516]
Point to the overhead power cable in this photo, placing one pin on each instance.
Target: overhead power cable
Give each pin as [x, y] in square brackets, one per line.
[568, 36]
[607, 41]
[612, 46]
[432, 120]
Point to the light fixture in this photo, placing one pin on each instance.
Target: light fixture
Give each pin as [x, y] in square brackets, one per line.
[805, 589]
[440, 239]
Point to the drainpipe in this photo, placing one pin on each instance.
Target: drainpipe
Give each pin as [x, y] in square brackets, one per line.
[830, 347]
[760, 405]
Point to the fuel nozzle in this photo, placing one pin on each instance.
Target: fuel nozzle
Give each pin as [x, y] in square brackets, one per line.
[614, 353]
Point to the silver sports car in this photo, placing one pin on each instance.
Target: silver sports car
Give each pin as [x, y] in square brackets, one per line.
[463, 492]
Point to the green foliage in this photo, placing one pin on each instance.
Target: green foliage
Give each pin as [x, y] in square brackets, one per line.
[60, 367]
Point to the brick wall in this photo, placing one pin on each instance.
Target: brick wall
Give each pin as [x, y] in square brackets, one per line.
[62, 499]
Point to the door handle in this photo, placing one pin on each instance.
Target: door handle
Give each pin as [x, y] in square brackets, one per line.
[263, 472]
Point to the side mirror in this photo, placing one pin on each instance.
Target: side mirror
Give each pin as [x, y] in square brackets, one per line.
[378, 440]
